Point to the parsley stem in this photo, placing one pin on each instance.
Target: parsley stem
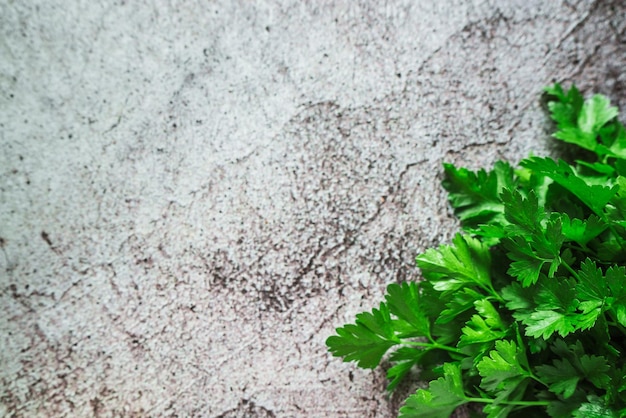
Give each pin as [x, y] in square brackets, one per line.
[492, 292]
[580, 247]
[536, 379]
[516, 403]
[571, 270]
[434, 346]
[495, 294]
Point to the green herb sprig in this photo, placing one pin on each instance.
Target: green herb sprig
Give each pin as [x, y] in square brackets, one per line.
[524, 312]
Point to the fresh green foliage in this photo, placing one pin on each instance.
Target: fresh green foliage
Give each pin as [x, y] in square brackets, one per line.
[524, 312]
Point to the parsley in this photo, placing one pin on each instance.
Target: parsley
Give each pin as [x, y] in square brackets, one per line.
[524, 312]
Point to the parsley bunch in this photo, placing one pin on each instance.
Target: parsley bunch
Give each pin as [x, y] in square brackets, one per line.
[525, 311]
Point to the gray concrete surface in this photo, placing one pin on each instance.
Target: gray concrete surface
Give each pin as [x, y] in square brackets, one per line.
[194, 194]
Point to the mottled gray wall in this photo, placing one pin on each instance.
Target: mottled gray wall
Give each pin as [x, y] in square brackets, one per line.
[194, 194]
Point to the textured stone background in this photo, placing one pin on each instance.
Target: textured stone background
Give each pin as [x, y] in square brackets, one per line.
[194, 194]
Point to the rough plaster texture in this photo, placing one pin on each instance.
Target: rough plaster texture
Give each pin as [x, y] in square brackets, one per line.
[194, 194]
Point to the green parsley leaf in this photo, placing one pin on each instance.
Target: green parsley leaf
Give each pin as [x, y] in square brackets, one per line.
[581, 231]
[519, 300]
[583, 122]
[367, 340]
[594, 196]
[557, 311]
[562, 377]
[441, 398]
[595, 408]
[524, 214]
[567, 105]
[526, 265]
[405, 358]
[608, 291]
[460, 302]
[504, 369]
[595, 113]
[467, 262]
[486, 326]
[404, 302]
[475, 195]
[573, 366]
[618, 148]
